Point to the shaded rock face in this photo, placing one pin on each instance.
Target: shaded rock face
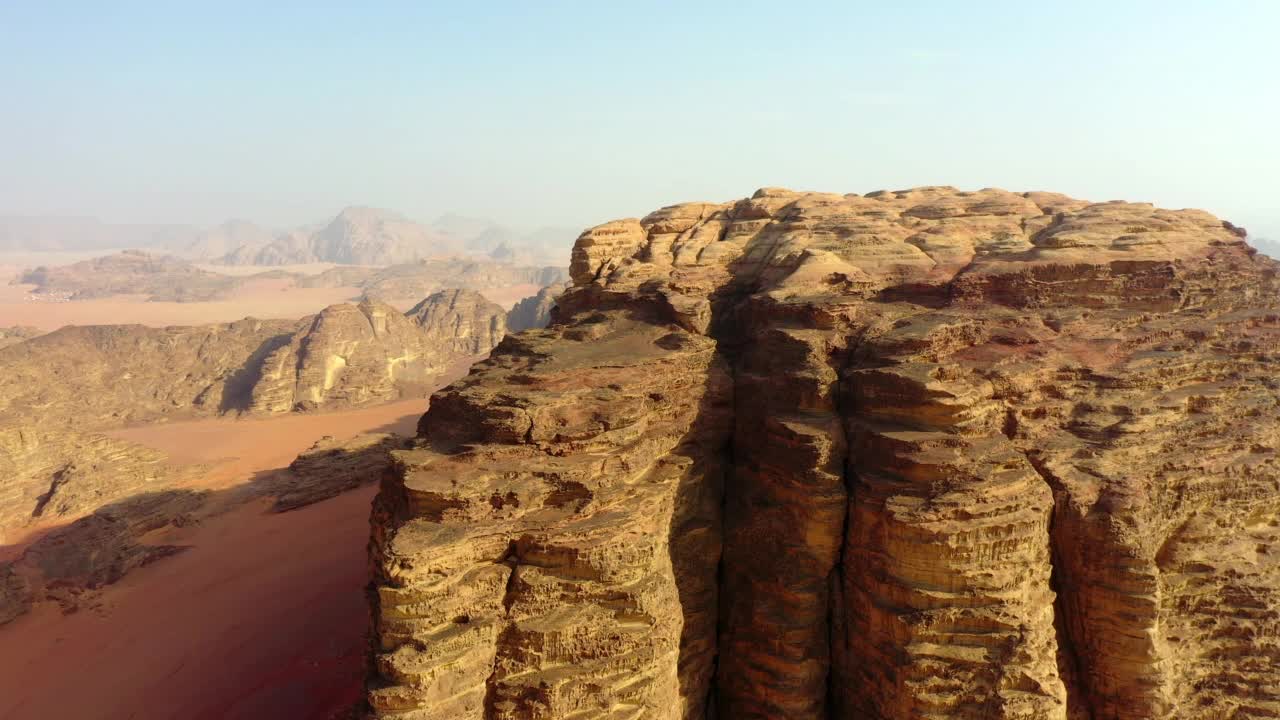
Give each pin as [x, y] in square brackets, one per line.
[535, 311]
[461, 320]
[917, 454]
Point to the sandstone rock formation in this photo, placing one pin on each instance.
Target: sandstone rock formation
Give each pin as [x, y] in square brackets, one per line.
[534, 311]
[131, 272]
[416, 280]
[351, 355]
[100, 376]
[50, 473]
[96, 376]
[332, 467]
[916, 454]
[357, 236]
[461, 320]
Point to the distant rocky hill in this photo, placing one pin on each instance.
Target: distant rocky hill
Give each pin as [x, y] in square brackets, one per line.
[233, 236]
[428, 276]
[131, 272]
[357, 236]
[544, 246]
[102, 376]
[168, 278]
[1267, 246]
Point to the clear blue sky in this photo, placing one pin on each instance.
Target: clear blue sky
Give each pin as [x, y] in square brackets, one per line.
[576, 112]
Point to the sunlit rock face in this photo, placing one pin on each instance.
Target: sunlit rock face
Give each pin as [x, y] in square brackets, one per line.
[916, 454]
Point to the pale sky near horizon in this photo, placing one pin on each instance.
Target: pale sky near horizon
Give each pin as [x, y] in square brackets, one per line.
[572, 113]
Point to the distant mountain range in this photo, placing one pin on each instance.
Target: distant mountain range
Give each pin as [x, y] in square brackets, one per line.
[356, 236]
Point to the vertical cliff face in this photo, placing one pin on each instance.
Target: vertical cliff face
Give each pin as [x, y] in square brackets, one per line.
[922, 454]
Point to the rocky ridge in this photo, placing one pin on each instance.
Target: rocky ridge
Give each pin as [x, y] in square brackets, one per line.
[415, 280]
[131, 272]
[347, 355]
[915, 454]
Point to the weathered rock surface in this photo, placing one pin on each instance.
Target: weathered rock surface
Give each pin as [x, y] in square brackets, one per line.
[534, 312]
[917, 454]
[330, 468]
[97, 376]
[461, 320]
[50, 473]
[351, 355]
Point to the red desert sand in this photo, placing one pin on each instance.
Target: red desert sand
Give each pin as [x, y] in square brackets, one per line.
[263, 617]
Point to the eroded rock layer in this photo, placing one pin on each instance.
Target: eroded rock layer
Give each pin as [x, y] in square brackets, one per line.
[916, 454]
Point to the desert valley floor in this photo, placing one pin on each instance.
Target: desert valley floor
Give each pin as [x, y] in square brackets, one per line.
[263, 614]
[262, 617]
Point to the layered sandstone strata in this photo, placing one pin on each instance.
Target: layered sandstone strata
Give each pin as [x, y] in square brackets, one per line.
[917, 454]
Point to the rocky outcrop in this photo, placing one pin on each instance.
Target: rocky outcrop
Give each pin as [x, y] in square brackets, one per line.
[103, 376]
[330, 468]
[53, 473]
[96, 376]
[131, 272]
[916, 454]
[461, 320]
[534, 311]
[352, 355]
[420, 279]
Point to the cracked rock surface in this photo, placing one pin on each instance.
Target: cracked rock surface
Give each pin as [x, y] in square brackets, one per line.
[915, 454]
